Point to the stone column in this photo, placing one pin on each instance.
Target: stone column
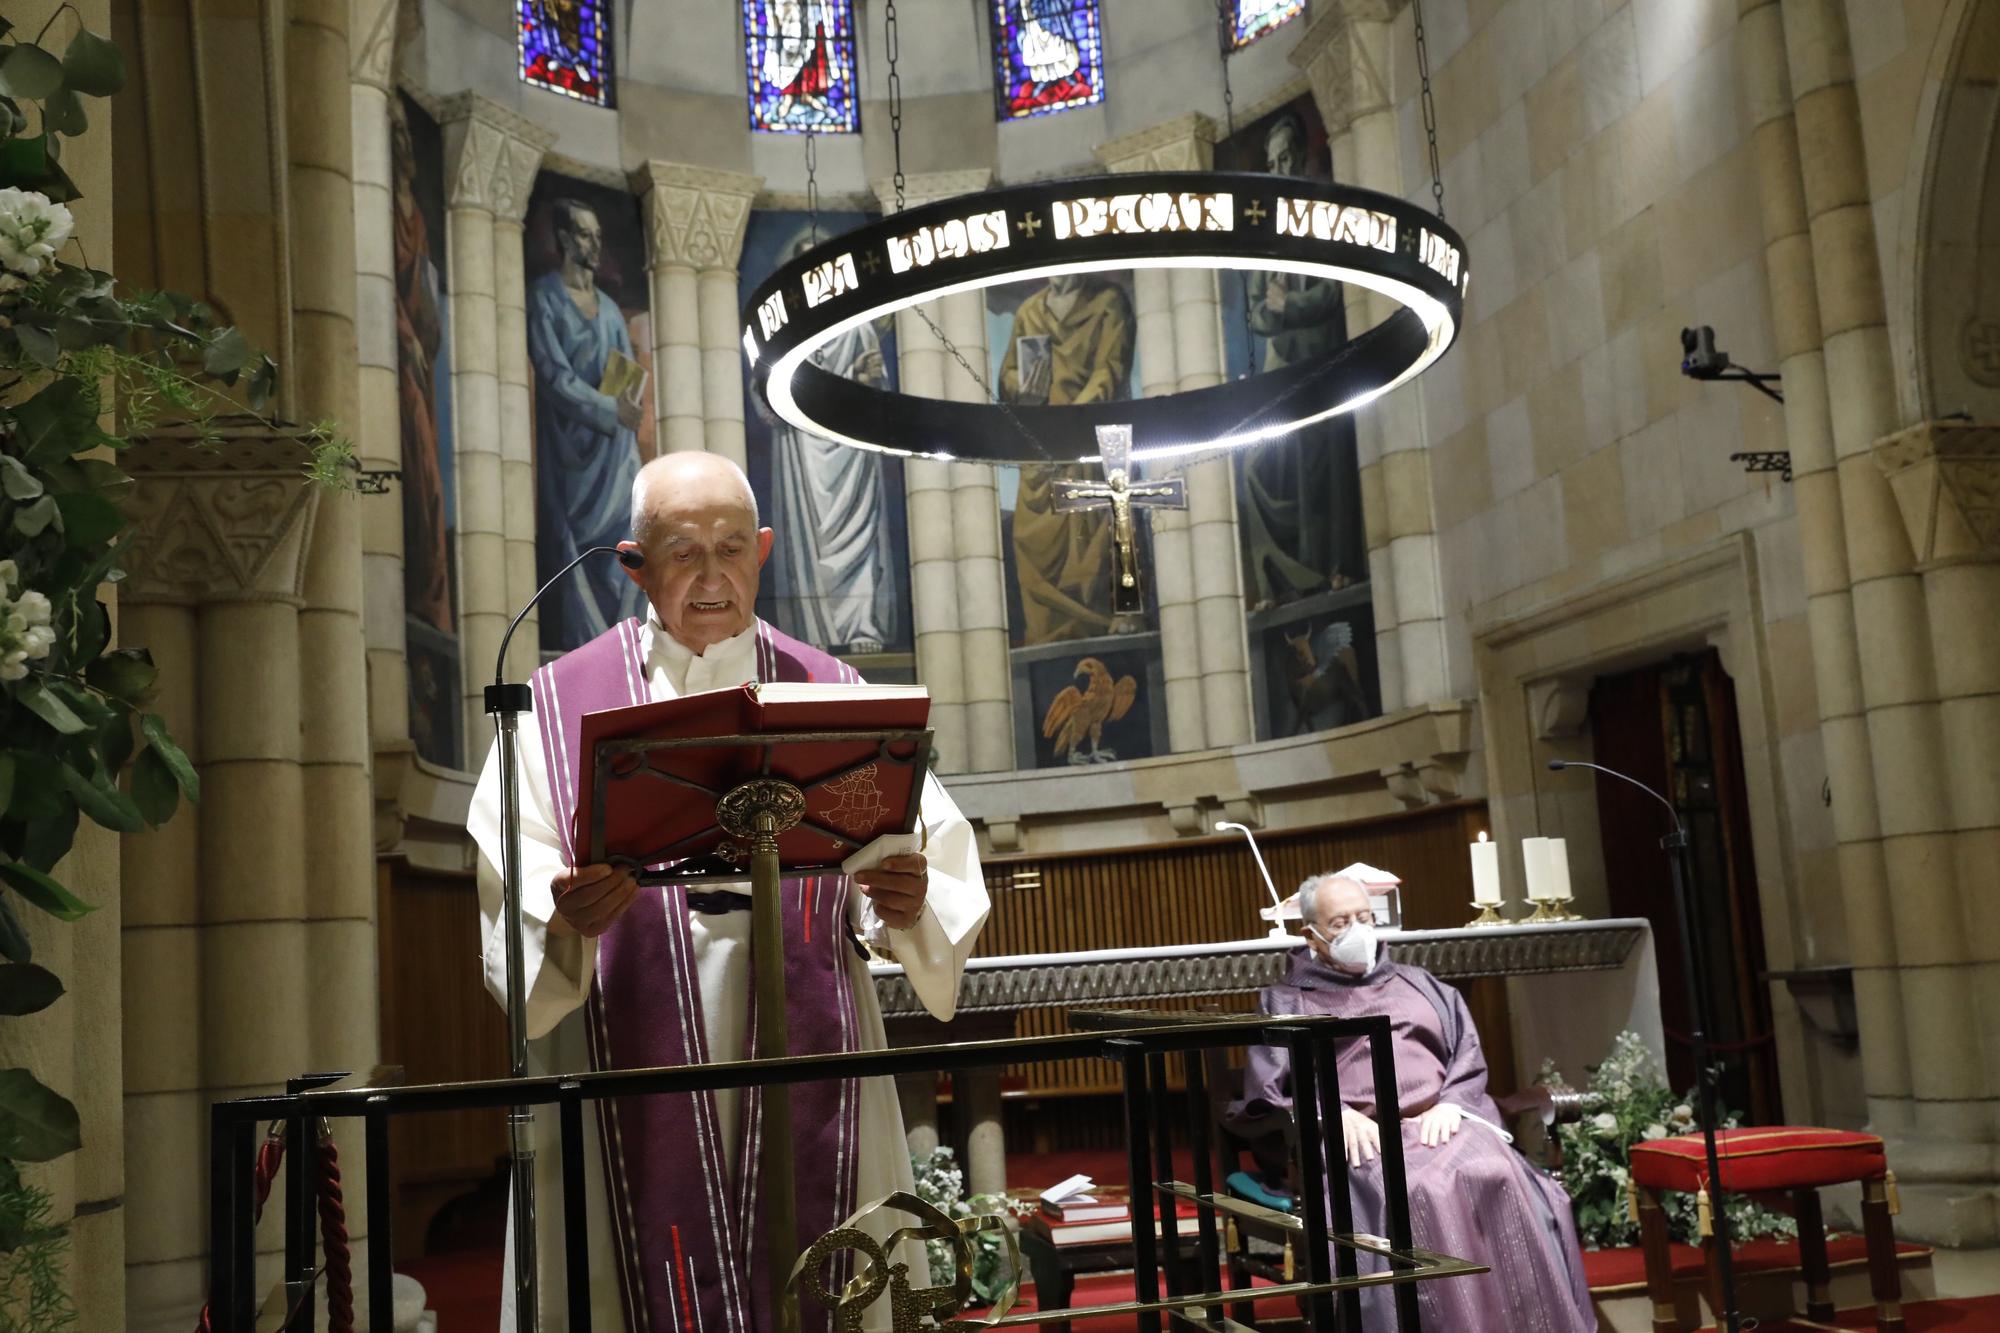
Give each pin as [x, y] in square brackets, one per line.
[489, 151]
[377, 425]
[978, 1103]
[1348, 54]
[1795, 322]
[695, 218]
[1198, 563]
[517, 413]
[1945, 1130]
[955, 515]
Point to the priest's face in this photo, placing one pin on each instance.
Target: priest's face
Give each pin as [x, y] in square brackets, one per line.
[697, 525]
[1336, 906]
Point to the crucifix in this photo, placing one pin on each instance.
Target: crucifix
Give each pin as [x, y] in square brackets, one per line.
[1121, 495]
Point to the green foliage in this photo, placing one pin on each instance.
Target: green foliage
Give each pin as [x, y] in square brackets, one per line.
[941, 1184]
[1632, 1103]
[76, 738]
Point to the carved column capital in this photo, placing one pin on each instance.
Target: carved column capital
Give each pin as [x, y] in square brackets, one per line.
[491, 156]
[227, 522]
[1185, 143]
[930, 186]
[373, 28]
[695, 216]
[1348, 80]
[1946, 479]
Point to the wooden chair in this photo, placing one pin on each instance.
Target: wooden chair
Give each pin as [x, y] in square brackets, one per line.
[1781, 1160]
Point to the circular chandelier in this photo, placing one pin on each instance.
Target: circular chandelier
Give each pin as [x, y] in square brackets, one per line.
[1187, 219]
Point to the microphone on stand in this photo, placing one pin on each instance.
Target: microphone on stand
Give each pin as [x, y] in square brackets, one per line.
[506, 701]
[1278, 931]
[1694, 959]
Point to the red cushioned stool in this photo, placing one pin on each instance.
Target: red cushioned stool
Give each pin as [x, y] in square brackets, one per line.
[1771, 1160]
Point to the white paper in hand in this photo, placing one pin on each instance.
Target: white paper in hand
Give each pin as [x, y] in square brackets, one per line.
[880, 850]
[1067, 1189]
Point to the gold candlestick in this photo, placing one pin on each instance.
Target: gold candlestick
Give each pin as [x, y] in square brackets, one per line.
[1559, 910]
[1487, 916]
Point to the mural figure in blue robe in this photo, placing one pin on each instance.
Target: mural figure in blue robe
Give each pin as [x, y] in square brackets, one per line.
[586, 443]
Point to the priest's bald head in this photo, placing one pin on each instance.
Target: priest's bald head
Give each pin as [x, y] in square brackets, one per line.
[695, 518]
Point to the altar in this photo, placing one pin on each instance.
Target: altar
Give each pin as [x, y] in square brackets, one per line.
[1571, 986]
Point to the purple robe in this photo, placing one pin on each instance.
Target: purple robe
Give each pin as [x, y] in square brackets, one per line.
[690, 1244]
[1472, 1197]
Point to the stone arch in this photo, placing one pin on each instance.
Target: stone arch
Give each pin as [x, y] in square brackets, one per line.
[1952, 231]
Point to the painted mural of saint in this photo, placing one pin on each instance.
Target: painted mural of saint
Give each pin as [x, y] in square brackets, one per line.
[1071, 342]
[426, 562]
[1290, 533]
[587, 449]
[835, 565]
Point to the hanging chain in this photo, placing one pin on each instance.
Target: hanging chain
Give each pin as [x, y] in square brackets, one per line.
[892, 47]
[1430, 106]
[812, 185]
[1224, 34]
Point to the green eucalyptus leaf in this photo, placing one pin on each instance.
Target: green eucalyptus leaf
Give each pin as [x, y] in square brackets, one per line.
[92, 630]
[74, 332]
[6, 781]
[16, 481]
[89, 520]
[82, 702]
[126, 673]
[35, 795]
[36, 1123]
[49, 840]
[27, 989]
[93, 65]
[227, 354]
[43, 703]
[33, 520]
[37, 345]
[155, 728]
[103, 802]
[115, 740]
[57, 420]
[38, 888]
[63, 113]
[14, 944]
[55, 182]
[154, 790]
[24, 162]
[104, 477]
[30, 73]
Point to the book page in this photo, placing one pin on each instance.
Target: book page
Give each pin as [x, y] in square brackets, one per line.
[787, 692]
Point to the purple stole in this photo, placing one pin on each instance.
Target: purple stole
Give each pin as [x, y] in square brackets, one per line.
[690, 1244]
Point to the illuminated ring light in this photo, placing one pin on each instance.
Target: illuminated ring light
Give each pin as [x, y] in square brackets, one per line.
[1276, 224]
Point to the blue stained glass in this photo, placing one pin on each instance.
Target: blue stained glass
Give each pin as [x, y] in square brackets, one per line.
[1251, 19]
[1048, 55]
[799, 55]
[566, 48]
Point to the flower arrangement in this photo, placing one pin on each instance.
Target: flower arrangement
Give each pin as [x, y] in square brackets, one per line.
[941, 1184]
[1635, 1105]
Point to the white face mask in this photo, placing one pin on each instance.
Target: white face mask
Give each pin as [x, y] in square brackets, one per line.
[1354, 950]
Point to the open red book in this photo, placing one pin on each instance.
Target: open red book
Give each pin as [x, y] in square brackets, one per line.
[858, 753]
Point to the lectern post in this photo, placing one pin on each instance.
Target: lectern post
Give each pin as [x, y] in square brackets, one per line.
[507, 703]
[758, 811]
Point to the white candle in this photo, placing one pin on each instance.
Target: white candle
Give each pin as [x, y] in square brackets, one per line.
[1486, 872]
[1557, 854]
[1535, 865]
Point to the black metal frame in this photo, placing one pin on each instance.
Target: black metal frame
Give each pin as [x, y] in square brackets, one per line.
[1138, 1041]
[1002, 234]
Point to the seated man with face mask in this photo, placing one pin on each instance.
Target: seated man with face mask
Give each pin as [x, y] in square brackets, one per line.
[1471, 1195]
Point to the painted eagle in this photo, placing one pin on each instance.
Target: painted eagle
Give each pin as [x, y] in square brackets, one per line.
[1076, 714]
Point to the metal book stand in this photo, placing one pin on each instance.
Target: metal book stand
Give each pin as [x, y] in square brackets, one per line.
[753, 814]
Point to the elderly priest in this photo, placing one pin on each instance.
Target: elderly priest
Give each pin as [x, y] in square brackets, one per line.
[1471, 1195]
[621, 976]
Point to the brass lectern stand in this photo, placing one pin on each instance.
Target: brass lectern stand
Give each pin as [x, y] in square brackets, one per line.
[752, 815]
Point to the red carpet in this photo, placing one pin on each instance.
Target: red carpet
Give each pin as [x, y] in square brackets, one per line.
[1977, 1314]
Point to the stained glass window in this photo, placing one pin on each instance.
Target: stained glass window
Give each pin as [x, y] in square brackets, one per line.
[1251, 19]
[566, 47]
[799, 55]
[1048, 55]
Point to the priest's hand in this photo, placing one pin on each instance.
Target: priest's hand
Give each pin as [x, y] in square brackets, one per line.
[1363, 1136]
[1436, 1126]
[897, 888]
[590, 898]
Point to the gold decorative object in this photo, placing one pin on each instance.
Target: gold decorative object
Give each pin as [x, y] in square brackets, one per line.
[1551, 911]
[912, 1309]
[1487, 916]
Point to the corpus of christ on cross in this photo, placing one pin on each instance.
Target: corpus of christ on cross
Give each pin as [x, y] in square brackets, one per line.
[1121, 495]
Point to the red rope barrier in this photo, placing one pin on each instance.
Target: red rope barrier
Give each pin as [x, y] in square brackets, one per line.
[338, 1268]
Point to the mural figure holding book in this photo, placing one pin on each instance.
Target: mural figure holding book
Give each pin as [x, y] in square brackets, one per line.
[589, 404]
[621, 976]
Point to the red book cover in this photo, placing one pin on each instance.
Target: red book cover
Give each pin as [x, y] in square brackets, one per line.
[660, 802]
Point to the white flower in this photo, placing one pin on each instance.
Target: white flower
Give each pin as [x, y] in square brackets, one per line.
[11, 669]
[38, 641]
[1654, 1132]
[1605, 1123]
[1683, 1114]
[10, 574]
[34, 607]
[31, 230]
